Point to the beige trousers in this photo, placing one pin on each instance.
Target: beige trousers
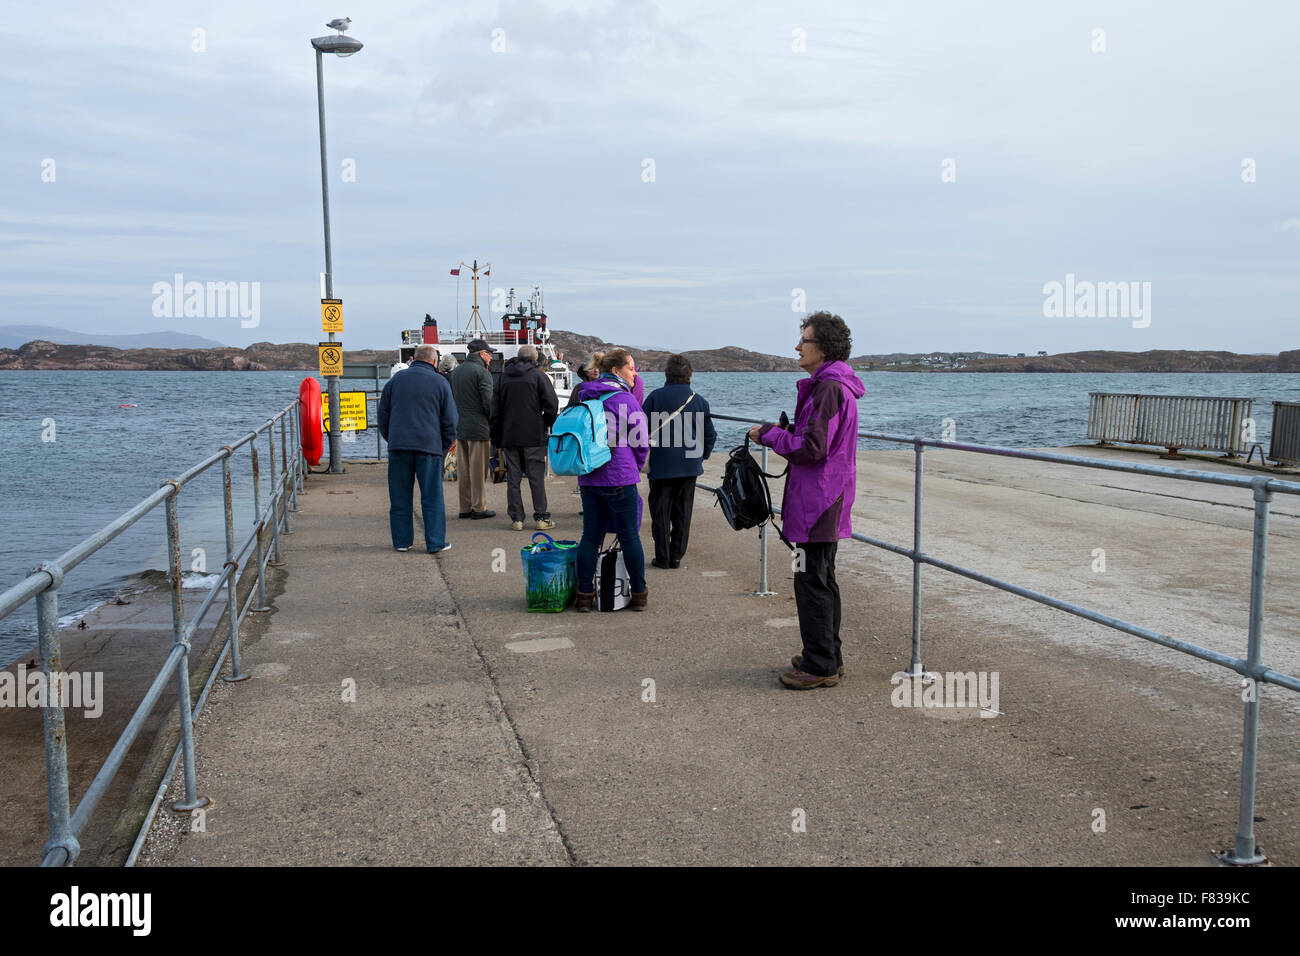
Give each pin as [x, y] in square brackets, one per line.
[471, 473]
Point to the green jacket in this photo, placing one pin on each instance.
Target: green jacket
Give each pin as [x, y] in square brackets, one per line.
[471, 386]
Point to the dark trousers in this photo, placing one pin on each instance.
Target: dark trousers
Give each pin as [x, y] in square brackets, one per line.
[671, 502]
[521, 462]
[604, 507]
[404, 469]
[817, 597]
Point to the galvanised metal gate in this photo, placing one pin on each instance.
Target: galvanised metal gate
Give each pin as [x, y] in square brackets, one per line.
[1174, 421]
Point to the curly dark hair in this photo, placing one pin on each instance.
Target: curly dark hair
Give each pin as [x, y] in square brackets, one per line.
[831, 334]
[677, 370]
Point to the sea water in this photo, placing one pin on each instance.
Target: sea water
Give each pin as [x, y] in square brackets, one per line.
[81, 447]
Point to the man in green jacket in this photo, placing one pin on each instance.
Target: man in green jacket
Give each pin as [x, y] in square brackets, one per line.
[471, 386]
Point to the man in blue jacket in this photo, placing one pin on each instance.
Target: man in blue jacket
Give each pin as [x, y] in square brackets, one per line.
[417, 417]
[681, 437]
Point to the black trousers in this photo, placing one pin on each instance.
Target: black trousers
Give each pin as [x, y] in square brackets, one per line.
[672, 500]
[817, 597]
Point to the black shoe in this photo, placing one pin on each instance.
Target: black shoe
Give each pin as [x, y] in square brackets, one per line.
[482, 514]
[465, 514]
[656, 563]
[674, 564]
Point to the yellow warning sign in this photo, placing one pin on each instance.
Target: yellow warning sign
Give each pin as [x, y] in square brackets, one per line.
[331, 315]
[353, 415]
[331, 357]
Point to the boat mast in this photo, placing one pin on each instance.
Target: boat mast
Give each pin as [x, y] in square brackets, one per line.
[476, 321]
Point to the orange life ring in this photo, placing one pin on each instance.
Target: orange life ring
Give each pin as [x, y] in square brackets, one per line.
[309, 418]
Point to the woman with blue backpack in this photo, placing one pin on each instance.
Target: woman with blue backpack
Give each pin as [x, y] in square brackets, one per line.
[610, 501]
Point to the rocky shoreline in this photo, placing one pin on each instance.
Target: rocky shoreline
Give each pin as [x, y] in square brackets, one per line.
[301, 356]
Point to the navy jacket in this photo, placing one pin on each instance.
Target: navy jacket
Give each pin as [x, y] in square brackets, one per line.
[416, 411]
[673, 458]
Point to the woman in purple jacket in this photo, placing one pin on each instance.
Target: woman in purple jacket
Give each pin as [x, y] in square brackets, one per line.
[821, 448]
[609, 494]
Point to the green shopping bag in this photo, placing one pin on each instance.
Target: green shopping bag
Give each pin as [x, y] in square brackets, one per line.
[550, 573]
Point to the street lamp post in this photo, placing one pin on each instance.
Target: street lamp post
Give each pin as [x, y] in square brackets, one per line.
[340, 46]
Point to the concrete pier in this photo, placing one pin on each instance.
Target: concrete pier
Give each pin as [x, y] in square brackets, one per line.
[481, 734]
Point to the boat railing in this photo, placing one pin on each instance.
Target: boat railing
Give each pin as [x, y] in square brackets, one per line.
[261, 547]
[1251, 667]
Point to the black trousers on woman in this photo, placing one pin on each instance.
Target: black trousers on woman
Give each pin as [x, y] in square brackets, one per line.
[817, 597]
[672, 500]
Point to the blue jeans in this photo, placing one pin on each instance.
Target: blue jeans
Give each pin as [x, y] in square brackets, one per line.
[404, 468]
[603, 507]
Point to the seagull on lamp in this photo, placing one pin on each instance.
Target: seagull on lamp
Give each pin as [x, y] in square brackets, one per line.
[340, 24]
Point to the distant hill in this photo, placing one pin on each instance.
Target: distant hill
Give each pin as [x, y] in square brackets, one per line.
[13, 336]
[258, 357]
[578, 348]
[1157, 360]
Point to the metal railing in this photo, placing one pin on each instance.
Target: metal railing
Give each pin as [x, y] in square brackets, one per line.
[1193, 422]
[1284, 448]
[1250, 667]
[45, 580]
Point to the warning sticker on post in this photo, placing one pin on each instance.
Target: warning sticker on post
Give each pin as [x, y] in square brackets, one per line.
[352, 417]
[331, 357]
[331, 315]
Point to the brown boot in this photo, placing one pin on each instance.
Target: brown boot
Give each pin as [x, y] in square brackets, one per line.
[638, 600]
[585, 603]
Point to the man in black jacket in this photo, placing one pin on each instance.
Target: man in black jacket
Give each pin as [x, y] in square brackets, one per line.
[524, 407]
[417, 417]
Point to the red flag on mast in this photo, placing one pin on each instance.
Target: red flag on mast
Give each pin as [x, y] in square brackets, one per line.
[455, 272]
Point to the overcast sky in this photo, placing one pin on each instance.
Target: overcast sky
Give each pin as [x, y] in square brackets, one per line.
[775, 168]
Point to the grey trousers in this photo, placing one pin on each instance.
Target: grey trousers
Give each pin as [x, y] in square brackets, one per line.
[530, 462]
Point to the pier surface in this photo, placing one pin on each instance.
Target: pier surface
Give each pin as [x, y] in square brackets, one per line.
[481, 734]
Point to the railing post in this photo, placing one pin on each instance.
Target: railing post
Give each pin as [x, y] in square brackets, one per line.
[192, 799]
[763, 589]
[295, 438]
[273, 486]
[56, 742]
[915, 669]
[286, 477]
[261, 527]
[232, 583]
[1244, 850]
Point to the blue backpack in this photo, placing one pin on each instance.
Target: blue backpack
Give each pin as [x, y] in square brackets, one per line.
[579, 444]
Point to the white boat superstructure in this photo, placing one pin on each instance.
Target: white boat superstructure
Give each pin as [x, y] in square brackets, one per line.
[522, 324]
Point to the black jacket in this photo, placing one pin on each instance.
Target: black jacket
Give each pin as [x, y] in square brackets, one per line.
[524, 406]
[416, 411]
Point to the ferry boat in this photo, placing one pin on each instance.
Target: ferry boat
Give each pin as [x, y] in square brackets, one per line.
[523, 323]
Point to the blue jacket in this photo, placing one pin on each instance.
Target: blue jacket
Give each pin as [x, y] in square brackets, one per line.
[416, 411]
[684, 442]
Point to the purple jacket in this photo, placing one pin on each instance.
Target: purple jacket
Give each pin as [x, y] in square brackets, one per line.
[626, 429]
[822, 451]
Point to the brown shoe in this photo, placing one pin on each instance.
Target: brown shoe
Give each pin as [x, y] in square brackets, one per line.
[585, 602]
[802, 680]
[797, 663]
[638, 600]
